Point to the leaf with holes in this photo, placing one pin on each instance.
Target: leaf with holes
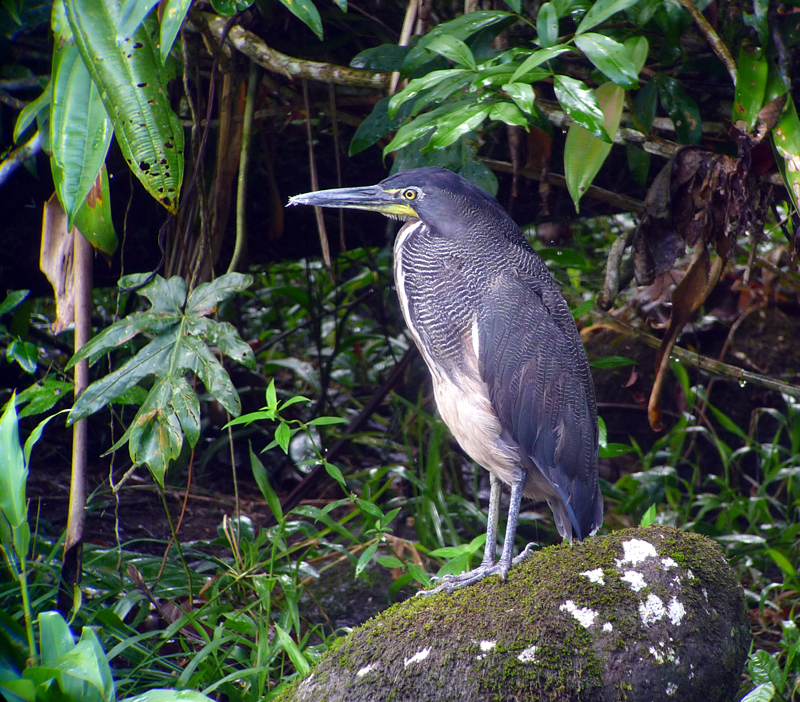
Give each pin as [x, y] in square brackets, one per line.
[133, 85]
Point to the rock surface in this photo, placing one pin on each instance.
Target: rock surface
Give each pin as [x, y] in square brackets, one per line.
[641, 614]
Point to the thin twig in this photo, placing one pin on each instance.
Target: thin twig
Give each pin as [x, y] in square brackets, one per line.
[405, 36]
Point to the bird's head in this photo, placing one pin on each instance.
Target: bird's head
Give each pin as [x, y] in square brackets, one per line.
[435, 195]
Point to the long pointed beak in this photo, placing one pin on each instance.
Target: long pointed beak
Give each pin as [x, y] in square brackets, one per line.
[372, 198]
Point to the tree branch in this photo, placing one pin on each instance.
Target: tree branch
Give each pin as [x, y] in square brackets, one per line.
[293, 68]
[712, 37]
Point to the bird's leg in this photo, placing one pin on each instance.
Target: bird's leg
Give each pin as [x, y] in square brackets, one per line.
[488, 567]
[490, 547]
[511, 526]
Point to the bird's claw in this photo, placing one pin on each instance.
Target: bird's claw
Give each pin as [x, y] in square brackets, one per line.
[449, 583]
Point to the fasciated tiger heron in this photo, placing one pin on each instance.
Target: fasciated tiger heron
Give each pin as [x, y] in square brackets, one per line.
[509, 370]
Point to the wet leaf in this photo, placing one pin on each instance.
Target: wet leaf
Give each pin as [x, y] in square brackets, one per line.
[423, 125]
[453, 49]
[584, 153]
[509, 113]
[93, 219]
[456, 124]
[644, 107]
[418, 85]
[385, 58]
[522, 94]
[171, 23]
[536, 59]
[581, 105]
[610, 57]
[786, 138]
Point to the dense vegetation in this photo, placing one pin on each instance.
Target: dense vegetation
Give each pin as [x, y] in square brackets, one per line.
[256, 464]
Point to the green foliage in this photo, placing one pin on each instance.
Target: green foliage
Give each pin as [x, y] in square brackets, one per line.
[181, 330]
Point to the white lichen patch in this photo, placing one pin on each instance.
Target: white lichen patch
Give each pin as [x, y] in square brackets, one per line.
[668, 563]
[418, 657]
[528, 655]
[634, 579]
[608, 627]
[487, 646]
[595, 576]
[366, 669]
[672, 688]
[652, 610]
[656, 654]
[690, 574]
[584, 615]
[676, 611]
[307, 682]
[636, 551]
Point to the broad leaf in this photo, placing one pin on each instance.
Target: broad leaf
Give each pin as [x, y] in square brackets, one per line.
[547, 25]
[31, 111]
[423, 124]
[418, 85]
[454, 49]
[133, 86]
[584, 153]
[451, 128]
[509, 113]
[581, 105]
[132, 15]
[171, 408]
[93, 219]
[80, 131]
[522, 94]
[751, 83]
[536, 59]
[386, 58]
[610, 57]
[460, 28]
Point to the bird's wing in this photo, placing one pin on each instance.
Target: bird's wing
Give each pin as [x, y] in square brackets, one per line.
[532, 360]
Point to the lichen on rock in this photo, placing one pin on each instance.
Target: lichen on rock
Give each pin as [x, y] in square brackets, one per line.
[640, 614]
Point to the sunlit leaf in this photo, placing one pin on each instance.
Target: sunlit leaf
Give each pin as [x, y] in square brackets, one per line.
[536, 59]
[454, 49]
[509, 113]
[522, 94]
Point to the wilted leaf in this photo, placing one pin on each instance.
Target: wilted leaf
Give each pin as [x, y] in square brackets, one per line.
[55, 261]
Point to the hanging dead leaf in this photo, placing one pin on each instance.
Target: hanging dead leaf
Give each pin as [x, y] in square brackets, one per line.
[55, 261]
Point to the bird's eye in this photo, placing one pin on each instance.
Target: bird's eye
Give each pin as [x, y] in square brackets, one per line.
[410, 194]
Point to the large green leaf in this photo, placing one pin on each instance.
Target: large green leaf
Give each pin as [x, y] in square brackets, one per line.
[133, 86]
[751, 83]
[418, 85]
[182, 334]
[584, 153]
[94, 215]
[454, 49]
[423, 124]
[610, 57]
[456, 124]
[581, 105]
[536, 59]
[13, 471]
[80, 130]
[377, 124]
[547, 25]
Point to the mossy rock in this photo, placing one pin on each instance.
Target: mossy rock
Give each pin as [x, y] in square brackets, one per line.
[640, 614]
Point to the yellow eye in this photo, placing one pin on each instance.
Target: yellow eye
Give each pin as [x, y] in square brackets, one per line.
[410, 194]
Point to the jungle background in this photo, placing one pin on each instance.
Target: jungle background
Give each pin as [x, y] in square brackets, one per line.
[219, 449]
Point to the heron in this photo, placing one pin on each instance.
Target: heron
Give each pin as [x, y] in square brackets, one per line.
[510, 374]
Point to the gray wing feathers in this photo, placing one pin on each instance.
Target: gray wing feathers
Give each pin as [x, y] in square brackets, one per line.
[535, 368]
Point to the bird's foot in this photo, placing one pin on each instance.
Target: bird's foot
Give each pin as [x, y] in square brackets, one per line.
[527, 551]
[450, 583]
